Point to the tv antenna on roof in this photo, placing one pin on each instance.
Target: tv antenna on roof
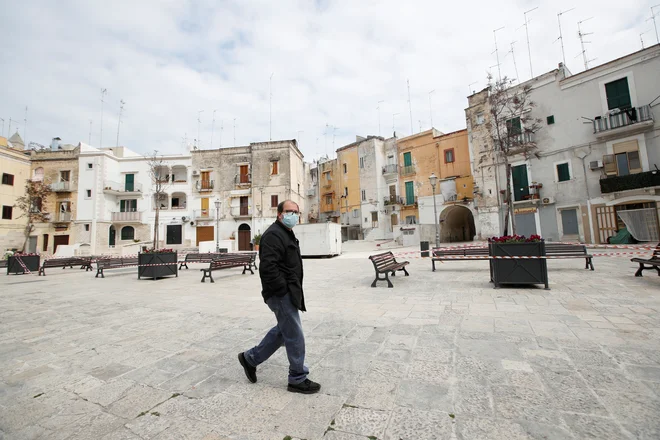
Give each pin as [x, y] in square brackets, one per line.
[497, 54]
[529, 50]
[561, 38]
[654, 24]
[581, 35]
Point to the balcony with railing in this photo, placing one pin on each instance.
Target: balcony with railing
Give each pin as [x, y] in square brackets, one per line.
[243, 180]
[60, 187]
[624, 121]
[204, 214]
[613, 184]
[62, 217]
[204, 185]
[408, 170]
[391, 169]
[110, 187]
[127, 217]
[393, 200]
[241, 211]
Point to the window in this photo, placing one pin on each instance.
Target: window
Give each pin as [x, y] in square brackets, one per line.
[410, 193]
[88, 193]
[625, 159]
[7, 212]
[411, 220]
[328, 177]
[36, 205]
[44, 245]
[128, 205]
[273, 167]
[328, 200]
[356, 213]
[87, 227]
[407, 159]
[274, 201]
[550, 119]
[7, 179]
[128, 233]
[65, 176]
[449, 155]
[346, 191]
[374, 219]
[174, 235]
[563, 172]
[362, 162]
[345, 169]
[618, 94]
[38, 174]
[513, 126]
[520, 182]
[364, 195]
[129, 182]
[176, 202]
[90, 165]
[480, 118]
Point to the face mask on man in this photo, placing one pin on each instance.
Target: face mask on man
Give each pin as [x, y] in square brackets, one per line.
[290, 219]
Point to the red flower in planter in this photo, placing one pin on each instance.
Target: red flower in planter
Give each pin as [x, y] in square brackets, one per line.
[515, 239]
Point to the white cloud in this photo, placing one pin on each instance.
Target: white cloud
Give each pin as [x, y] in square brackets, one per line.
[332, 62]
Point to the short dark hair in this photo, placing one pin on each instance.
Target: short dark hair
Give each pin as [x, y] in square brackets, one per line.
[280, 206]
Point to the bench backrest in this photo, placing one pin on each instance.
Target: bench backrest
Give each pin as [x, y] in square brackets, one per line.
[472, 252]
[230, 260]
[382, 260]
[560, 248]
[656, 253]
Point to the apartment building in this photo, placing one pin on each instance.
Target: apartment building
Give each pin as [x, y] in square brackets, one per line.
[330, 195]
[237, 190]
[14, 170]
[595, 166]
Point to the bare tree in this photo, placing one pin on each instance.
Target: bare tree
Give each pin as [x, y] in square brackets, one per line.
[512, 129]
[159, 180]
[33, 206]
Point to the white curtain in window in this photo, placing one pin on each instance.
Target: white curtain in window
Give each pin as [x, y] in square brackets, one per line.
[641, 223]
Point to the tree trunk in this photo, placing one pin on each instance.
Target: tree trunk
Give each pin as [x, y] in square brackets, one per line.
[509, 197]
[156, 226]
[28, 229]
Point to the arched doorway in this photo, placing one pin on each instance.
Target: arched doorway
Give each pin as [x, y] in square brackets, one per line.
[112, 235]
[457, 224]
[244, 237]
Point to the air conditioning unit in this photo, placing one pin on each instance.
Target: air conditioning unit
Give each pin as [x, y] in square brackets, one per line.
[595, 164]
[548, 200]
[195, 173]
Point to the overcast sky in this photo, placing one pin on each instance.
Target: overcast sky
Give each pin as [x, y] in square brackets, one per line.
[331, 63]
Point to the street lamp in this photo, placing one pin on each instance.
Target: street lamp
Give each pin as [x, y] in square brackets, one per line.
[433, 179]
[217, 225]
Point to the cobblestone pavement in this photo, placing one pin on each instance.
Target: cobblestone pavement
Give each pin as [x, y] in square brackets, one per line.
[440, 356]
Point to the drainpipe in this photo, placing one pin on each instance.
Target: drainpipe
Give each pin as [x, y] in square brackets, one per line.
[95, 187]
[586, 185]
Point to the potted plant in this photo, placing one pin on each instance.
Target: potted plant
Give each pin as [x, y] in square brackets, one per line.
[22, 262]
[257, 240]
[157, 263]
[512, 270]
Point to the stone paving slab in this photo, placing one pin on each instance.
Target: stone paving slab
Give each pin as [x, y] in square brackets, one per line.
[440, 356]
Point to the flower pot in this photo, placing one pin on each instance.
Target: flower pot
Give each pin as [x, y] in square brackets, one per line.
[518, 271]
[31, 262]
[165, 264]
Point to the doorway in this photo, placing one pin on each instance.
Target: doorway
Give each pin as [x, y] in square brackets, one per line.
[244, 237]
[204, 233]
[569, 223]
[244, 206]
[174, 234]
[60, 239]
[112, 236]
[526, 224]
[457, 224]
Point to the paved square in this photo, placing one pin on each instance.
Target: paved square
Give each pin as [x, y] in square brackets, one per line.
[440, 356]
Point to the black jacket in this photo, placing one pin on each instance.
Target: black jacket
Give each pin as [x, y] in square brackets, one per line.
[280, 265]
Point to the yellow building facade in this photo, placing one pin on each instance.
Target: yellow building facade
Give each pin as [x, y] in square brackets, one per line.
[15, 170]
[328, 190]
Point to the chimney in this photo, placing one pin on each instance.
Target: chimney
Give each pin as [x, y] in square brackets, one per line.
[55, 144]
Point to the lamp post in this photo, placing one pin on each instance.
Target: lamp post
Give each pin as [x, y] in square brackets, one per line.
[217, 225]
[433, 179]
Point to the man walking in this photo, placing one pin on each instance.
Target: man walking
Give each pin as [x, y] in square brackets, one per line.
[281, 273]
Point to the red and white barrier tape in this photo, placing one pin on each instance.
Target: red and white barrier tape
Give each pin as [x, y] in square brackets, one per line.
[546, 257]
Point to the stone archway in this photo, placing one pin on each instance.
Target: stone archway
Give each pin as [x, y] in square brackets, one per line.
[457, 224]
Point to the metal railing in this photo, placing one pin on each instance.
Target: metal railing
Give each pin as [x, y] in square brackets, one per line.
[241, 211]
[623, 118]
[204, 185]
[204, 214]
[243, 179]
[132, 216]
[60, 187]
[391, 168]
[109, 185]
[632, 181]
[407, 170]
[63, 216]
[393, 200]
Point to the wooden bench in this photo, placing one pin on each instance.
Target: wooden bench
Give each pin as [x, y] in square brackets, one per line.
[84, 263]
[3, 263]
[225, 261]
[198, 258]
[439, 254]
[560, 250]
[113, 263]
[652, 263]
[385, 263]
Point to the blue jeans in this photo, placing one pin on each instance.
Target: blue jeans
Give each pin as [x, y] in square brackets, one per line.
[287, 332]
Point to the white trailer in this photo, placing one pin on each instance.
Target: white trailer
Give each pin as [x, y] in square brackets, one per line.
[319, 239]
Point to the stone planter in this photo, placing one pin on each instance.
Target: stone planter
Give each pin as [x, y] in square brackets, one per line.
[31, 262]
[167, 265]
[518, 271]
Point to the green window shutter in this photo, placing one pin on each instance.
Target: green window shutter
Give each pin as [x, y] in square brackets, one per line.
[407, 159]
[133, 205]
[520, 182]
[122, 206]
[514, 126]
[563, 173]
[130, 182]
[410, 193]
[618, 94]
